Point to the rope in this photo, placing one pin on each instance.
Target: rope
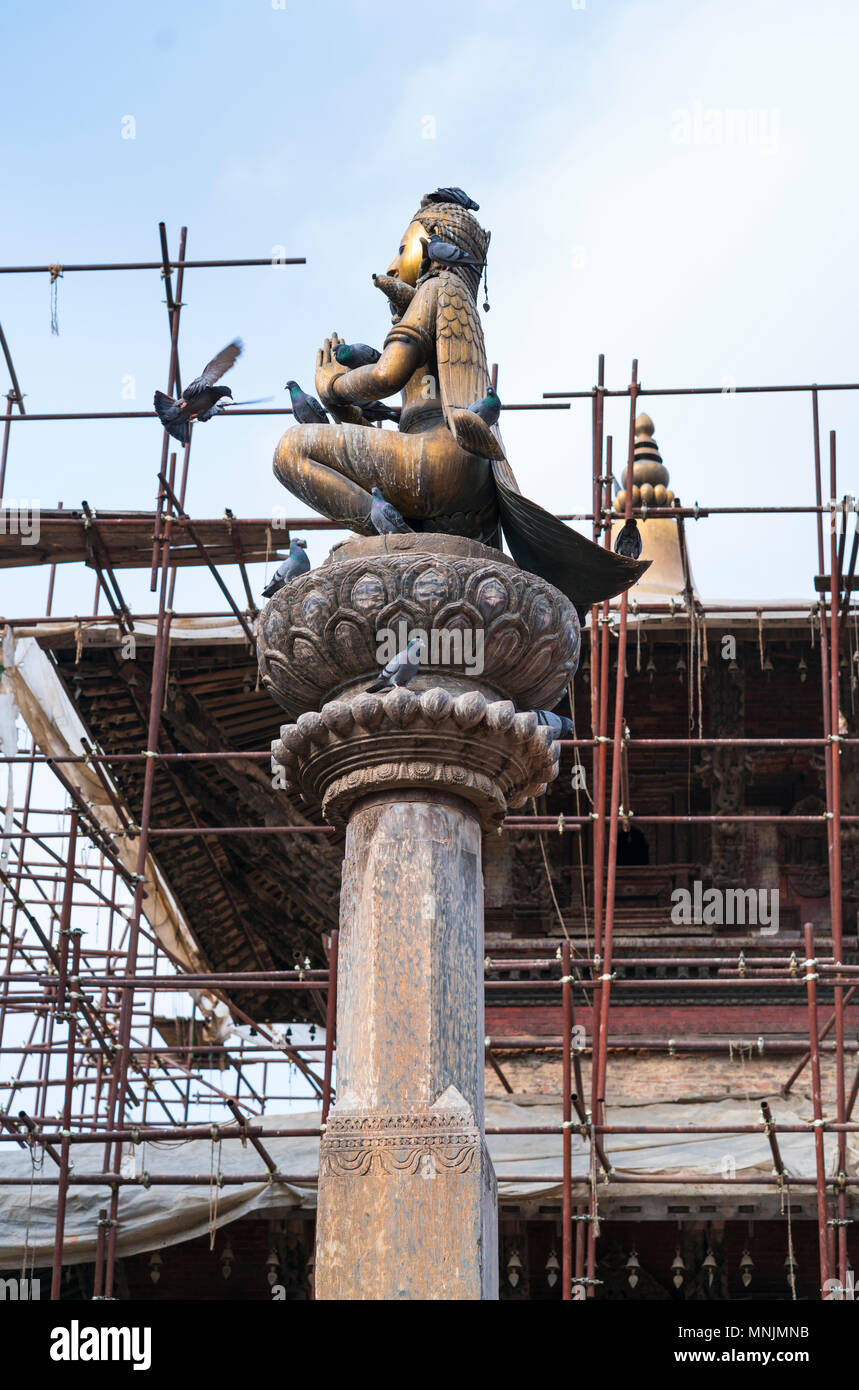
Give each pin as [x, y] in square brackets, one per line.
[577, 763]
[702, 662]
[214, 1187]
[549, 877]
[56, 272]
[34, 1169]
[791, 1277]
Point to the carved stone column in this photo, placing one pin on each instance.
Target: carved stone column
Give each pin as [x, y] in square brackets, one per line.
[407, 1198]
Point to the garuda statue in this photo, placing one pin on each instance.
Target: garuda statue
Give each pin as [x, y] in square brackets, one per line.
[443, 468]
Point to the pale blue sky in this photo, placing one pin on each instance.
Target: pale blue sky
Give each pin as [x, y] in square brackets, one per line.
[304, 127]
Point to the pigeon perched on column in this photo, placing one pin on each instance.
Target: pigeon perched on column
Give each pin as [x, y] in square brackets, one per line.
[401, 669]
[295, 564]
[561, 726]
[199, 400]
[305, 409]
[356, 355]
[385, 517]
[628, 540]
[489, 409]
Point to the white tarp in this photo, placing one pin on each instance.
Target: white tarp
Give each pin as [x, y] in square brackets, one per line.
[160, 1215]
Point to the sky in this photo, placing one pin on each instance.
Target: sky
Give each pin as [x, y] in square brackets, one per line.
[663, 181]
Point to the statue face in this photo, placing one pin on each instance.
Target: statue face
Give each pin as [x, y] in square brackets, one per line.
[407, 264]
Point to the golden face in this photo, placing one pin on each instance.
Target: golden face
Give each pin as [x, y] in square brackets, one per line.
[407, 264]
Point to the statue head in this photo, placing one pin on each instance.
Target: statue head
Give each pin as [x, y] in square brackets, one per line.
[452, 222]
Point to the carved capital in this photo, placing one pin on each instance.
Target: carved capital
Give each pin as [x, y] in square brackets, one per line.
[466, 745]
[318, 637]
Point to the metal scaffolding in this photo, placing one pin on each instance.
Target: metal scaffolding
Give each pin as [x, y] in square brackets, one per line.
[78, 1019]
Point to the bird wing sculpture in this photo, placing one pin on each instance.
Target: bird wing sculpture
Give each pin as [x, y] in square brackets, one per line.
[537, 540]
[462, 369]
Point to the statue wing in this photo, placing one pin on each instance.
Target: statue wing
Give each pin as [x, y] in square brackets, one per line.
[463, 372]
[539, 542]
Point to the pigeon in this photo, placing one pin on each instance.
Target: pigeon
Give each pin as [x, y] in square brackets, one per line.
[561, 726]
[356, 355]
[376, 410]
[445, 253]
[628, 540]
[200, 399]
[385, 517]
[401, 669]
[306, 409]
[295, 564]
[489, 408]
[453, 195]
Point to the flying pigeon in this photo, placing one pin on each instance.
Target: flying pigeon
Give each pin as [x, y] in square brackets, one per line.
[385, 517]
[356, 355]
[561, 726]
[628, 540]
[401, 669]
[305, 409]
[452, 195]
[377, 410]
[445, 253]
[295, 564]
[200, 399]
[489, 408]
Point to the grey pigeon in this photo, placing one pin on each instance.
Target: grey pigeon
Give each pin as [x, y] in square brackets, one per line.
[453, 195]
[628, 540]
[296, 563]
[305, 409]
[385, 517]
[489, 408]
[200, 399]
[376, 410]
[561, 726]
[356, 355]
[445, 253]
[401, 669]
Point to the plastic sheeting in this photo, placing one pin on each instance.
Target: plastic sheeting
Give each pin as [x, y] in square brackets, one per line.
[158, 1216]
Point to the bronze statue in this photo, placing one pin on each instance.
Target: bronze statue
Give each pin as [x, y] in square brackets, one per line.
[443, 468]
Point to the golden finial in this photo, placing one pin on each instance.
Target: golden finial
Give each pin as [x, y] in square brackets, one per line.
[649, 474]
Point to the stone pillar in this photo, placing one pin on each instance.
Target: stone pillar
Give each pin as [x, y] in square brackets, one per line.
[403, 1159]
[407, 1196]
